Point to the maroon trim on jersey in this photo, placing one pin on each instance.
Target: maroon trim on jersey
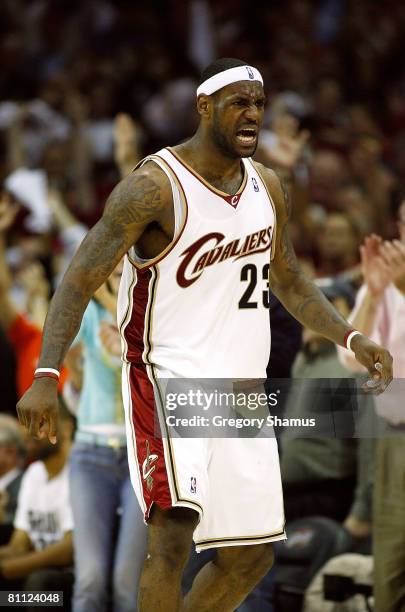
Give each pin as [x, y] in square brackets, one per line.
[153, 469]
[231, 199]
[143, 414]
[134, 328]
[259, 174]
[171, 245]
[148, 441]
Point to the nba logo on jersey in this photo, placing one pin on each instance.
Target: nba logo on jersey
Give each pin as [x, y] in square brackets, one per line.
[193, 484]
[250, 72]
[255, 185]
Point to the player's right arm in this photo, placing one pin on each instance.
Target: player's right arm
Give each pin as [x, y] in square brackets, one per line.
[138, 200]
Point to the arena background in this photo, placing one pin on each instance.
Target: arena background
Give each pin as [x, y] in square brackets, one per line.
[87, 88]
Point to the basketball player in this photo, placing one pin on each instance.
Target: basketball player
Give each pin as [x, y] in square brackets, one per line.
[208, 224]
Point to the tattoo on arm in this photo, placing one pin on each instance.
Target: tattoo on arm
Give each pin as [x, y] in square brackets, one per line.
[287, 254]
[133, 204]
[287, 199]
[302, 298]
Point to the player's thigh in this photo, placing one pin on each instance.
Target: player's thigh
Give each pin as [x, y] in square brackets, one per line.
[244, 474]
[242, 559]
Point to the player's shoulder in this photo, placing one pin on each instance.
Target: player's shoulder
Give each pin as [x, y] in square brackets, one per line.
[146, 184]
[149, 176]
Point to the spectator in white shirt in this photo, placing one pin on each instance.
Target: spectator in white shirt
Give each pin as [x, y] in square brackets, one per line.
[12, 453]
[39, 555]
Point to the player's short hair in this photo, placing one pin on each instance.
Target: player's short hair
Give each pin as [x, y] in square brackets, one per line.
[224, 63]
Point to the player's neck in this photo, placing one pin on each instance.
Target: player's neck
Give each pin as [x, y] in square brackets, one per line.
[204, 156]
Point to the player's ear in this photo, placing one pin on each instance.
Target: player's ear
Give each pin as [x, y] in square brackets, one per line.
[204, 105]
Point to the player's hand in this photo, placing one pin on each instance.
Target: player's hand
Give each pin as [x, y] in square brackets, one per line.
[38, 409]
[378, 362]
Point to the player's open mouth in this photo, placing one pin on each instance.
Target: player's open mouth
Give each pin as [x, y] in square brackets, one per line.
[246, 136]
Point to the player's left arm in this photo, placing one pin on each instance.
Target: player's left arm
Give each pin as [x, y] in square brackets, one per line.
[306, 302]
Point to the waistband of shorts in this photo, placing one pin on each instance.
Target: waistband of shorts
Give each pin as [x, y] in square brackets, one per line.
[115, 442]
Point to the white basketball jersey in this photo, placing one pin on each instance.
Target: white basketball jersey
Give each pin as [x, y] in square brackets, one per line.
[201, 308]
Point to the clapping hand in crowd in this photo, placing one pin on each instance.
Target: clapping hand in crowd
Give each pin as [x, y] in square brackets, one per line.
[382, 262]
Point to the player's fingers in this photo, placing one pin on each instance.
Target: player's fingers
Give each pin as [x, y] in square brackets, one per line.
[21, 416]
[53, 428]
[386, 366]
[35, 424]
[381, 374]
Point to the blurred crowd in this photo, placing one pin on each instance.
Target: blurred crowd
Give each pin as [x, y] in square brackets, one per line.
[89, 88]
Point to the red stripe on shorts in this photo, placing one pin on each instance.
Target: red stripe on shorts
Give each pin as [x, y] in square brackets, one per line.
[144, 416]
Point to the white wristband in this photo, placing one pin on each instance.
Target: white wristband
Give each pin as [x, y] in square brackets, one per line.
[47, 371]
[350, 338]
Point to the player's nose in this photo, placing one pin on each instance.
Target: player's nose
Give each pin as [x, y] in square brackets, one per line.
[252, 114]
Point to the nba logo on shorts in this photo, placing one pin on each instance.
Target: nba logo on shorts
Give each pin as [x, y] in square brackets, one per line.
[250, 72]
[255, 185]
[193, 484]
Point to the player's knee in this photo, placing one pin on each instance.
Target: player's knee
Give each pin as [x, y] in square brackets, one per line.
[172, 552]
[170, 537]
[247, 559]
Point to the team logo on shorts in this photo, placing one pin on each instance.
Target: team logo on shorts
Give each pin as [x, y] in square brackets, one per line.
[255, 185]
[250, 72]
[193, 484]
[148, 468]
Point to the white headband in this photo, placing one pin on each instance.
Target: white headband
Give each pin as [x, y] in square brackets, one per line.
[232, 75]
